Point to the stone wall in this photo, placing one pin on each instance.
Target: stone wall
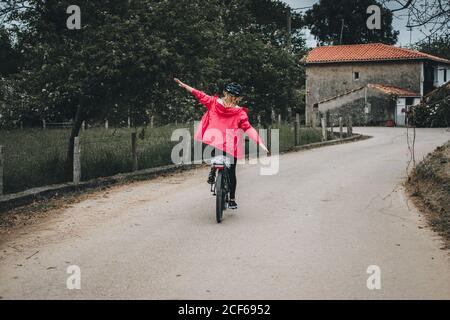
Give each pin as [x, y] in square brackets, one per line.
[324, 81]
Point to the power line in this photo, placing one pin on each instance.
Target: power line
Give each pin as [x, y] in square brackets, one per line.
[302, 8]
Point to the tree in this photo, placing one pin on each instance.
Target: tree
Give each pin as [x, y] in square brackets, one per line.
[270, 19]
[270, 76]
[9, 55]
[437, 45]
[255, 53]
[73, 74]
[432, 17]
[122, 61]
[334, 22]
[117, 64]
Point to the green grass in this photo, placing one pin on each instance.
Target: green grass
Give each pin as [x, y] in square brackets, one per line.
[33, 157]
[37, 157]
[287, 136]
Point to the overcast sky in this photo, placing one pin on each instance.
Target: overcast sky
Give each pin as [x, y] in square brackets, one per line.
[398, 24]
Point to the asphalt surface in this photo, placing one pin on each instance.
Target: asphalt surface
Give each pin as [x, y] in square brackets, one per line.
[308, 232]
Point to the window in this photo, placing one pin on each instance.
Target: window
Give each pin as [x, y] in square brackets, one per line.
[409, 101]
[355, 76]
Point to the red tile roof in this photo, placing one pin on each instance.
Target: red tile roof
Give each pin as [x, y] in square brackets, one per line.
[393, 90]
[384, 88]
[366, 52]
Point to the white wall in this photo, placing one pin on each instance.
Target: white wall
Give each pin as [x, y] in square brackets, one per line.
[439, 75]
[399, 115]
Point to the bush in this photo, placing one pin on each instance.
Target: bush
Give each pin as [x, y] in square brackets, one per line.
[431, 117]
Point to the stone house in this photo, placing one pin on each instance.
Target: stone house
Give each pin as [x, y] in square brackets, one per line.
[374, 83]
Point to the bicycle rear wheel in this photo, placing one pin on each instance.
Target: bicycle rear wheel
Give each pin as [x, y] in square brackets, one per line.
[220, 196]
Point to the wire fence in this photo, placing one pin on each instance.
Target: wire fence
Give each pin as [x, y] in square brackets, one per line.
[36, 157]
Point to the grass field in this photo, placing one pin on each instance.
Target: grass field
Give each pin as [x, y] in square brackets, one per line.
[37, 157]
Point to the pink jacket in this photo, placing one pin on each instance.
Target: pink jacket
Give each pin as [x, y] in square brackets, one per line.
[223, 128]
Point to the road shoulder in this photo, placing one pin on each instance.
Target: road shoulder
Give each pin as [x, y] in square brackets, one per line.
[428, 186]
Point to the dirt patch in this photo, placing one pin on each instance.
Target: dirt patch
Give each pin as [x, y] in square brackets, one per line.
[40, 210]
[429, 188]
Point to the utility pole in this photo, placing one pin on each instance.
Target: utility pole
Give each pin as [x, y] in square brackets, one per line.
[408, 25]
[342, 32]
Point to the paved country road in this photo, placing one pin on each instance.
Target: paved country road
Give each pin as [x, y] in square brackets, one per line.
[309, 232]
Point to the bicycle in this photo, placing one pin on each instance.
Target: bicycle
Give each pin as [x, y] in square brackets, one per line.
[221, 188]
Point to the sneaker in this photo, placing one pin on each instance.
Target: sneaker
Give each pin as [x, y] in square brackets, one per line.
[212, 176]
[232, 204]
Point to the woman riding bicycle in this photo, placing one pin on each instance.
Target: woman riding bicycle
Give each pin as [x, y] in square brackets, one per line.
[226, 117]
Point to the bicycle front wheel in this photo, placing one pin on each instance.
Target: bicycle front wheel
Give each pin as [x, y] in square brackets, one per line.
[220, 196]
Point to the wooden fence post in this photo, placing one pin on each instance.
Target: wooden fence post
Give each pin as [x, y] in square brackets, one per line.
[279, 120]
[296, 129]
[1, 169]
[152, 120]
[324, 129]
[83, 125]
[315, 117]
[341, 130]
[44, 124]
[349, 127]
[106, 124]
[76, 160]
[134, 151]
[129, 122]
[269, 138]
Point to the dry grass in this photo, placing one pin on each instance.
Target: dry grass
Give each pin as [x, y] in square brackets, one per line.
[429, 187]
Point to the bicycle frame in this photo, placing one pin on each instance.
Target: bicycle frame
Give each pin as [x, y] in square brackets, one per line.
[226, 183]
[221, 187]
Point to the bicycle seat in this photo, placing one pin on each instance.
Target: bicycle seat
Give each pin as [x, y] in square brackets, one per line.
[221, 161]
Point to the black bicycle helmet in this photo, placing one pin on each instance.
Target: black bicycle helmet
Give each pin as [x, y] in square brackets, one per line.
[234, 89]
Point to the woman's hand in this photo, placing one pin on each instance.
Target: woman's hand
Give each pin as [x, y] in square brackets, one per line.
[183, 85]
[179, 82]
[265, 149]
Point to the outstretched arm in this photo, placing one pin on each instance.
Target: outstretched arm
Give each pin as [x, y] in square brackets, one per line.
[203, 98]
[252, 133]
[183, 85]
